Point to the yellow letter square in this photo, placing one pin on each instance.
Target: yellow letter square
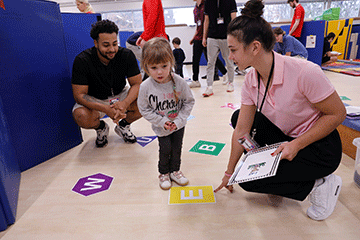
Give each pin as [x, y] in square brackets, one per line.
[191, 195]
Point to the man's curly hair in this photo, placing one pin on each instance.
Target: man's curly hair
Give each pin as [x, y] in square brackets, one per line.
[103, 26]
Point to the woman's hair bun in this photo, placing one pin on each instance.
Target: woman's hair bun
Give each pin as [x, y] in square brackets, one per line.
[253, 9]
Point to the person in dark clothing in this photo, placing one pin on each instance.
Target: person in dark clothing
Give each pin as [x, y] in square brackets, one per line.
[328, 55]
[99, 78]
[179, 56]
[199, 49]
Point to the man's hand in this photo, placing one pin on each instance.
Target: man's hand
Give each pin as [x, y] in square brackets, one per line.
[120, 105]
[113, 113]
[118, 116]
[204, 42]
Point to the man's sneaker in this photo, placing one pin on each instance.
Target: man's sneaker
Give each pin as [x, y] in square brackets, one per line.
[194, 84]
[179, 178]
[225, 79]
[324, 197]
[204, 77]
[208, 92]
[164, 181]
[230, 87]
[125, 133]
[101, 139]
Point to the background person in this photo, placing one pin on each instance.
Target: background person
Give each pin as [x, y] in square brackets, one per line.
[131, 44]
[179, 56]
[84, 6]
[297, 20]
[328, 56]
[98, 81]
[165, 100]
[154, 22]
[288, 45]
[286, 99]
[218, 14]
[199, 49]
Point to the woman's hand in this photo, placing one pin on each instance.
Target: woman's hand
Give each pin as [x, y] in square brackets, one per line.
[289, 150]
[224, 183]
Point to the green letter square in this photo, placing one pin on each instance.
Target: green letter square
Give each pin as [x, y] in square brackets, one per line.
[210, 148]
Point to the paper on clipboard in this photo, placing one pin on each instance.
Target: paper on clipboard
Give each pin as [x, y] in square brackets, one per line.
[257, 164]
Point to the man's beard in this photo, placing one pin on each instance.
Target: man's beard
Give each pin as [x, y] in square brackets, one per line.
[104, 55]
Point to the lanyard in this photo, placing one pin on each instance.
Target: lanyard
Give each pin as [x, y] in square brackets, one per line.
[267, 86]
[218, 7]
[262, 103]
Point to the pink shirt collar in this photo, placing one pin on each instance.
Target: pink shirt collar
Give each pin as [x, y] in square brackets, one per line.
[278, 72]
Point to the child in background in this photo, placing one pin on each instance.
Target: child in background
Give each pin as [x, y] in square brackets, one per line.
[179, 56]
[165, 100]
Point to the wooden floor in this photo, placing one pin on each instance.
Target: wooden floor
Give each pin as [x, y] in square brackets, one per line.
[136, 208]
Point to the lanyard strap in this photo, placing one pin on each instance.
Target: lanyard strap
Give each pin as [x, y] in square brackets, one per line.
[218, 7]
[267, 86]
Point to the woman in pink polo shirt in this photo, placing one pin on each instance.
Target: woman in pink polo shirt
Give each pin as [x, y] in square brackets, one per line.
[286, 99]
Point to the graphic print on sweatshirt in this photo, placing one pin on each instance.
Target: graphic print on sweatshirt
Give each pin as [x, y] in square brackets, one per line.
[165, 105]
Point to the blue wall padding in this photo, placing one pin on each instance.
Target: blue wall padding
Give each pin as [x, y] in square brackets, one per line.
[77, 28]
[123, 36]
[9, 175]
[35, 81]
[312, 28]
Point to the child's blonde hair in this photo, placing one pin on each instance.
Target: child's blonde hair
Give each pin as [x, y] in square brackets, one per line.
[158, 50]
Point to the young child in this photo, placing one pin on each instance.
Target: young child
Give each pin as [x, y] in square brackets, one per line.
[179, 56]
[165, 100]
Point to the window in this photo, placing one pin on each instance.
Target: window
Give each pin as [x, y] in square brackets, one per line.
[348, 9]
[273, 12]
[277, 12]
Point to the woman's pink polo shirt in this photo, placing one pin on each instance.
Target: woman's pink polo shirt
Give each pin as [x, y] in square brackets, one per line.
[297, 84]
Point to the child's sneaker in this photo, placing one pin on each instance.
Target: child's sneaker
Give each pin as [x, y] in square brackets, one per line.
[324, 197]
[101, 139]
[164, 181]
[179, 178]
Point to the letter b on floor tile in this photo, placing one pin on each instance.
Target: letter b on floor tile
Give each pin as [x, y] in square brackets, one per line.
[210, 148]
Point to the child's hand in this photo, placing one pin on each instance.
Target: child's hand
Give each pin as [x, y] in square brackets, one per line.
[173, 127]
[167, 125]
[170, 126]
